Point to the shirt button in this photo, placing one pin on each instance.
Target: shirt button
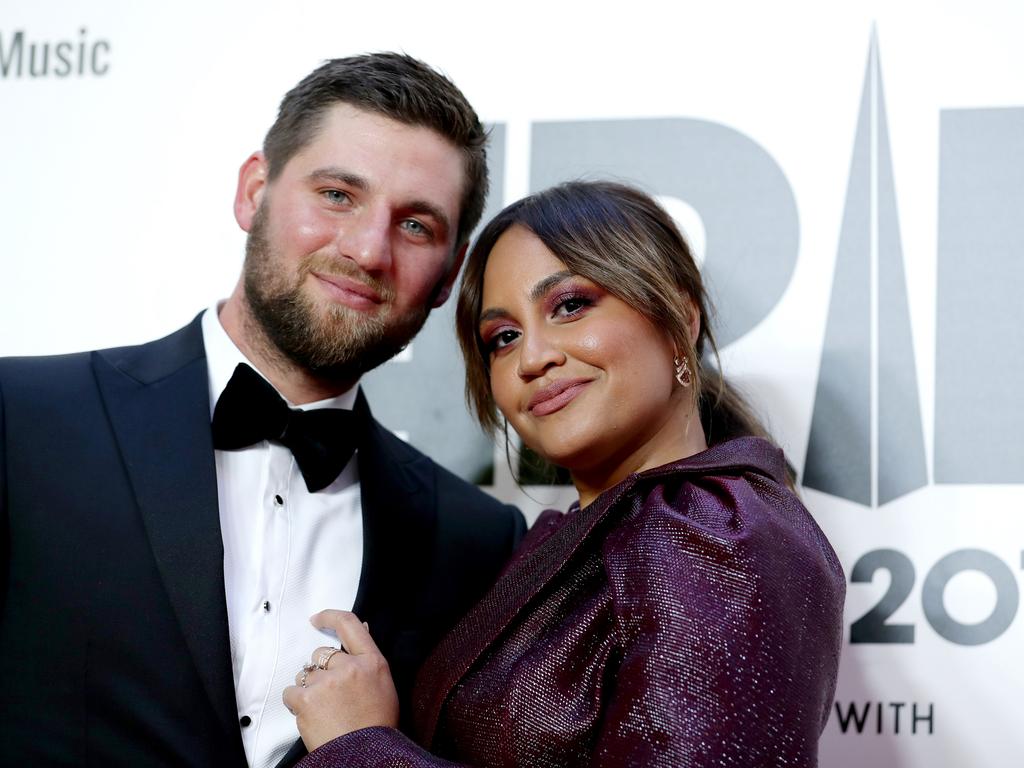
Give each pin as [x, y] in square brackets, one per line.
[245, 721]
[266, 606]
[278, 501]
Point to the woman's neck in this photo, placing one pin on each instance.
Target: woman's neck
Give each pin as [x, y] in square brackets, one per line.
[672, 443]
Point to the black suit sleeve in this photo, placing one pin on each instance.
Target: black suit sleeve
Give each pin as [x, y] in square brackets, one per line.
[518, 527]
[5, 547]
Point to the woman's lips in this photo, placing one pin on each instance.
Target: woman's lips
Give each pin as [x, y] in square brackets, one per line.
[556, 396]
[350, 292]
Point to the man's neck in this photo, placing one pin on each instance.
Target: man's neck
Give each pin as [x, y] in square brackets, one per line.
[295, 383]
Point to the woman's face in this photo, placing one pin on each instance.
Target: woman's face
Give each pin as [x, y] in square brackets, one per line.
[586, 381]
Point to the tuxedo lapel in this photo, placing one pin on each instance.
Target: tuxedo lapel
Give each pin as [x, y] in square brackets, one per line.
[157, 397]
[399, 503]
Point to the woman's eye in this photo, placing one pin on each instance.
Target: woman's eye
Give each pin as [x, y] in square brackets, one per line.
[571, 305]
[502, 339]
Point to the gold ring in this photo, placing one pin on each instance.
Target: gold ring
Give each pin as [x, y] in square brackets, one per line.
[325, 658]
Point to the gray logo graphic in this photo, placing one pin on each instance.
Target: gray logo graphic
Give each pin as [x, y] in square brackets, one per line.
[979, 360]
[744, 199]
[868, 449]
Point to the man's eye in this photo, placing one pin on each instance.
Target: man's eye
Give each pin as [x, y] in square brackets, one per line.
[414, 227]
[336, 196]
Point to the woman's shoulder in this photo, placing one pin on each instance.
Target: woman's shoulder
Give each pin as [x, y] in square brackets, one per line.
[730, 501]
[727, 545]
[731, 458]
[730, 485]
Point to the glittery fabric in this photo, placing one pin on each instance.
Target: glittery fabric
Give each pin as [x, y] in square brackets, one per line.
[689, 616]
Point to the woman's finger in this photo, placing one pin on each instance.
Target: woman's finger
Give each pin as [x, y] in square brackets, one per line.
[353, 634]
[290, 697]
[321, 657]
[302, 677]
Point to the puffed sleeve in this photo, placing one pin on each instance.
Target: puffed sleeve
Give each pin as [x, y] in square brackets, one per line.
[377, 747]
[728, 609]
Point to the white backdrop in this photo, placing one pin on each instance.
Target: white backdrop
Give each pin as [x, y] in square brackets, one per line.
[867, 156]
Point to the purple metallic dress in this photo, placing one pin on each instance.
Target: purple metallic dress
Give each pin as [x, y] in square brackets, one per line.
[689, 616]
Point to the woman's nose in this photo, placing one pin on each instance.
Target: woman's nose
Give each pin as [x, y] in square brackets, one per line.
[538, 351]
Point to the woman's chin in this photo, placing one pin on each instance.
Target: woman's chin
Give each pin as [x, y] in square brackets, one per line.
[573, 459]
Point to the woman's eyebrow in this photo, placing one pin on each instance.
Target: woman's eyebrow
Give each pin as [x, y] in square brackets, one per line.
[494, 313]
[542, 286]
[546, 284]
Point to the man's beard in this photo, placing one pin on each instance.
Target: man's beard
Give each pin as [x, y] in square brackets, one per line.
[333, 341]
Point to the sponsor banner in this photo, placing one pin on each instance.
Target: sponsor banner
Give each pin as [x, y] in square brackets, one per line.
[851, 176]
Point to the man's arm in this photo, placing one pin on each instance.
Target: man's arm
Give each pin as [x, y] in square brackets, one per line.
[5, 547]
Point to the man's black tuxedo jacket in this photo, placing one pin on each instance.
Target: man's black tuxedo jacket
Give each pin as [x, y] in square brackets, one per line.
[113, 633]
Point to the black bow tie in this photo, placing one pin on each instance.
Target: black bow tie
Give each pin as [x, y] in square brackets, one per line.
[250, 410]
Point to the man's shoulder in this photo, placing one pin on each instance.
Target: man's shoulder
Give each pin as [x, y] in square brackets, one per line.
[30, 363]
[448, 482]
[68, 380]
[149, 360]
[37, 374]
[469, 518]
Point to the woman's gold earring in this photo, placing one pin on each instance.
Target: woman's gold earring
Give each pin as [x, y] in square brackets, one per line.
[683, 375]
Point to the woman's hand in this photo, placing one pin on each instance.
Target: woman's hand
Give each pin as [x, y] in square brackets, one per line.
[344, 691]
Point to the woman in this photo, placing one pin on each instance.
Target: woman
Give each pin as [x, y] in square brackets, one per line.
[687, 611]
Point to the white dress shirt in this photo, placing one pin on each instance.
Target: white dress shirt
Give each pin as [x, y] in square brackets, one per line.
[288, 553]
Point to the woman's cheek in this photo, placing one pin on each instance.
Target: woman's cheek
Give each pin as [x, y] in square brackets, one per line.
[589, 343]
[502, 386]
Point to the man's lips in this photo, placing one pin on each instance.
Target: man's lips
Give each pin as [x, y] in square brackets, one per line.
[556, 396]
[348, 291]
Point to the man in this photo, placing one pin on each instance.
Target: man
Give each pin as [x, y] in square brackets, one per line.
[158, 574]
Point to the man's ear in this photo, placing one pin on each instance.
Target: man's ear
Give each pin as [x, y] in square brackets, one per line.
[252, 184]
[449, 280]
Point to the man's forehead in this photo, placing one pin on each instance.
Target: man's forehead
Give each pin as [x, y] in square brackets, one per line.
[347, 121]
[378, 148]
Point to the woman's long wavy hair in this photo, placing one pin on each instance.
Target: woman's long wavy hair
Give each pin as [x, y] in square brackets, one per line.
[621, 239]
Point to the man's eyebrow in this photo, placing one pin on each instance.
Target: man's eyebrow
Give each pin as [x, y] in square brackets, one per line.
[423, 207]
[341, 176]
[427, 208]
[546, 284]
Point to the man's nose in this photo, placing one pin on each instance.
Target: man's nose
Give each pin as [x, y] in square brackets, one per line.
[538, 351]
[366, 239]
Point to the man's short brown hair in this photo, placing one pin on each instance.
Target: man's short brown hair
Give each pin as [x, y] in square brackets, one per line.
[399, 87]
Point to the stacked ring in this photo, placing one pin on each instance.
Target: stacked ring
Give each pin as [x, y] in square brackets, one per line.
[325, 658]
[306, 669]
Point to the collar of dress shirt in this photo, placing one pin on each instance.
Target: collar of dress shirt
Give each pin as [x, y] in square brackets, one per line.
[222, 356]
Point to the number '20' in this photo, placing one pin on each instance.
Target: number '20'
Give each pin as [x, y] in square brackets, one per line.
[872, 627]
